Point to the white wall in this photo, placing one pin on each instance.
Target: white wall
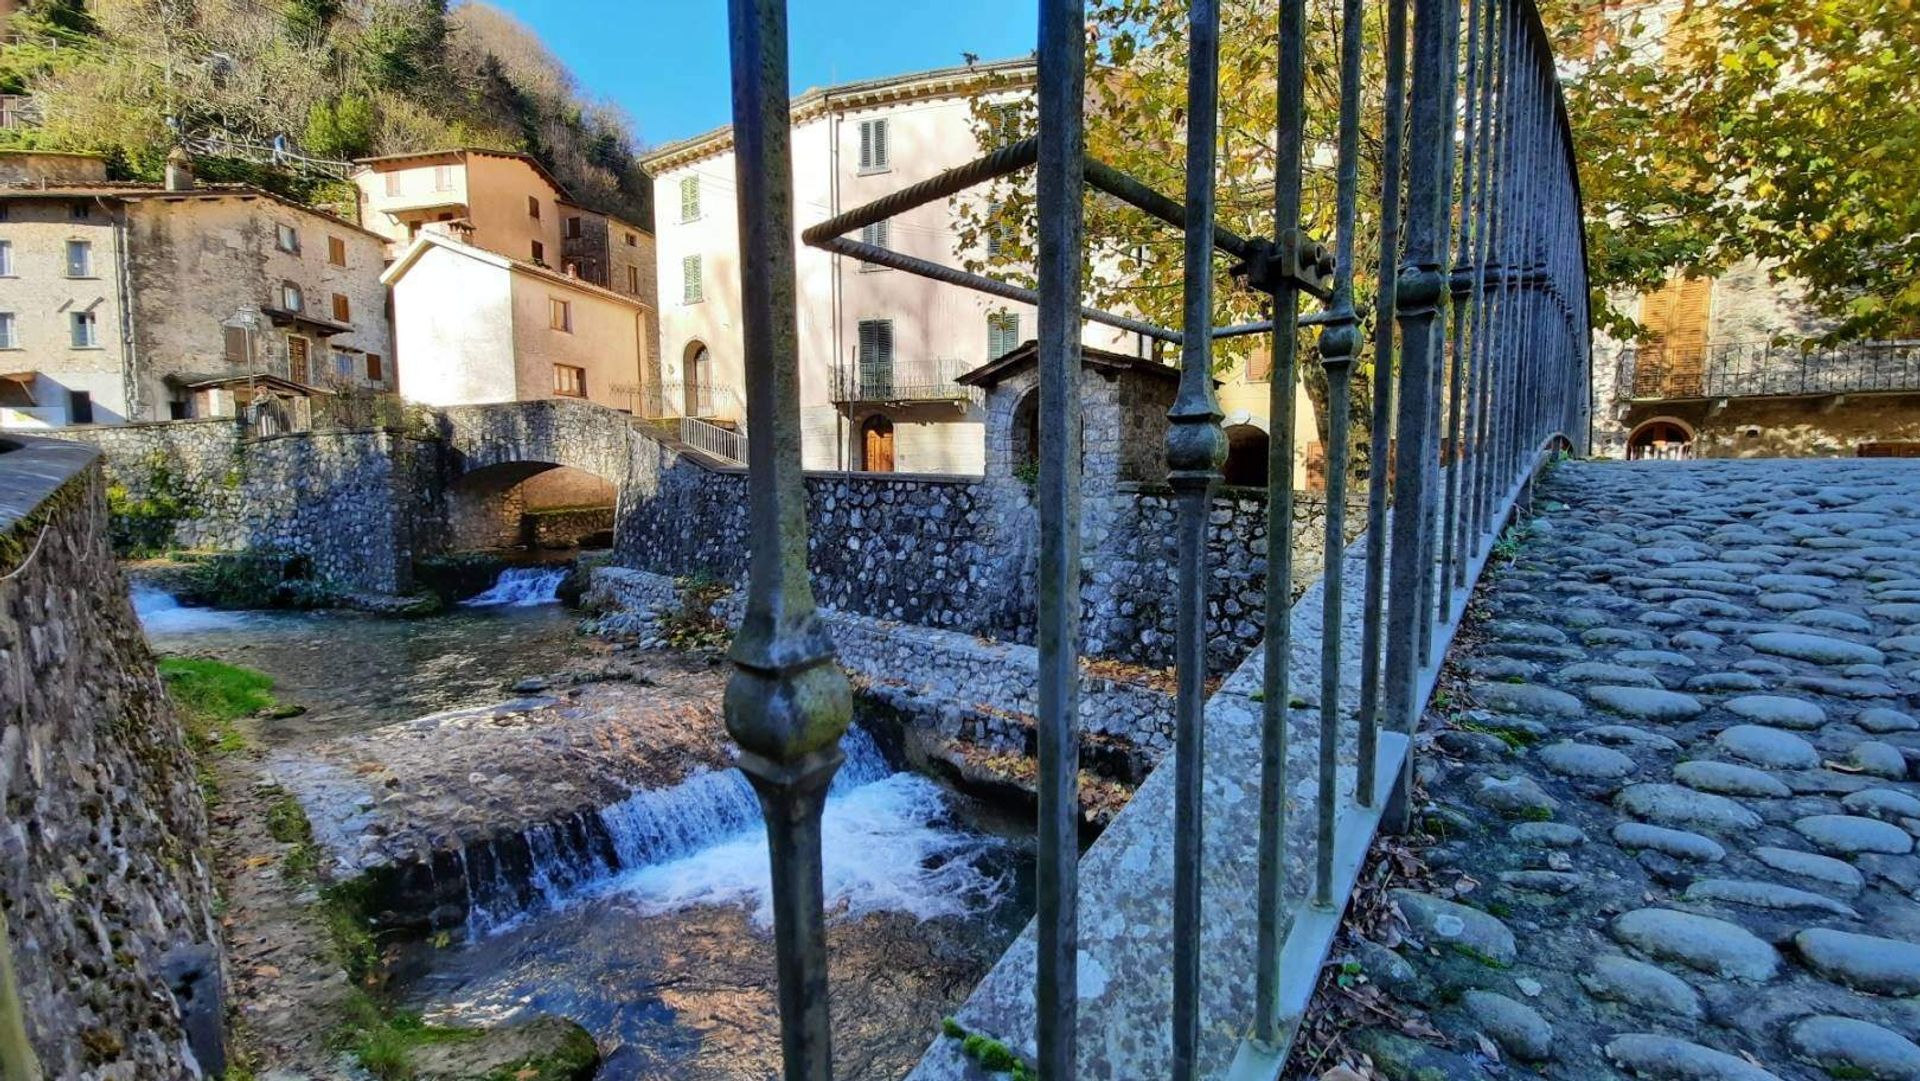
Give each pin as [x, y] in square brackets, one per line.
[453, 330]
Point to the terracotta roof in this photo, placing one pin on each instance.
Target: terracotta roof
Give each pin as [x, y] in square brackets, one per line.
[938, 82]
[457, 152]
[1028, 353]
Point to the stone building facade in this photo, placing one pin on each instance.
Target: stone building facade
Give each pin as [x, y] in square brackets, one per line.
[118, 300]
[110, 957]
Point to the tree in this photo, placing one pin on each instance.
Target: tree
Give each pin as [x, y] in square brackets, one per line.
[1784, 131]
[1137, 96]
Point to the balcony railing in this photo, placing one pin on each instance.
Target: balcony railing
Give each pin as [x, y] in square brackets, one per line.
[904, 381]
[1763, 369]
[698, 398]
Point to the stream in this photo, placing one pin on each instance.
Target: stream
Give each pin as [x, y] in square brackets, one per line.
[665, 951]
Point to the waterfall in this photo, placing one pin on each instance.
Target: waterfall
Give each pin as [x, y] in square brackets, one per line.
[521, 587]
[161, 612]
[702, 842]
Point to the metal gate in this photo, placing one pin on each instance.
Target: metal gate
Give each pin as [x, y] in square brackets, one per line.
[1481, 265]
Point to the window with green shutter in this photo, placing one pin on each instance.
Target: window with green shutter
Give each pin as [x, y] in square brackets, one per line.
[693, 290]
[1003, 334]
[876, 358]
[876, 235]
[873, 146]
[689, 198]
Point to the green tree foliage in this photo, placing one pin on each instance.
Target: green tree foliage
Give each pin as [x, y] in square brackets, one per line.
[339, 78]
[1784, 131]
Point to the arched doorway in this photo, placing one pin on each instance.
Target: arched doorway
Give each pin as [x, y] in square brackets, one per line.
[1246, 463]
[1026, 433]
[876, 443]
[698, 368]
[1660, 439]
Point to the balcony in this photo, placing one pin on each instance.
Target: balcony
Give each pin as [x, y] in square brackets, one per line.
[901, 382]
[697, 399]
[1763, 370]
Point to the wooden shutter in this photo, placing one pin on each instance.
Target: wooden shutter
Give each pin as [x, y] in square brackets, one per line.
[692, 289]
[235, 342]
[336, 251]
[297, 359]
[342, 308]
[1671, 359]
[689, 198]
[374, 373]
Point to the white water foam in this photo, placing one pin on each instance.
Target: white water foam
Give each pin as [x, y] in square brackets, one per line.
[521, 587]
[887, 846]
[161, 612]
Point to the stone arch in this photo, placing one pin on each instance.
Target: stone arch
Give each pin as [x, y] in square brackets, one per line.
[1661, 438]
[1247, 447]
[529, 504]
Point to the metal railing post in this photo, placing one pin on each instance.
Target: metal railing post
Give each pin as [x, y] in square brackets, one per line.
[1196, 447]
[1059, 183]
[787, 703]
[1276, 690]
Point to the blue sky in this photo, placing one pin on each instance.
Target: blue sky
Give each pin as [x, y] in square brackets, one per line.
[665, 61]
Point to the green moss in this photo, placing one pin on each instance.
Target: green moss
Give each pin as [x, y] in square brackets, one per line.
[263, 578]
[1469, 952]
[575, 1056]
[143, 523]
[992, 1055]
[211, 697]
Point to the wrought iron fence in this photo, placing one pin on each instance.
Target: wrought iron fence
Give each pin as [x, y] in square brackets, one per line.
[698, 398]
[1766, 369]
[1482, 265]
[931, 380]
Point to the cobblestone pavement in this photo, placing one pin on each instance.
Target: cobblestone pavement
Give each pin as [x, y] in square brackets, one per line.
[1684, 787]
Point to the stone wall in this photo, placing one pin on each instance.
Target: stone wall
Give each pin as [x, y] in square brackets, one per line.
[102, 847]
[1806, 427]
[352, 502]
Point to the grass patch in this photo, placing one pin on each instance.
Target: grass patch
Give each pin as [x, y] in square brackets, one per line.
[212, 696]
[1512, 737]
[991, 1055]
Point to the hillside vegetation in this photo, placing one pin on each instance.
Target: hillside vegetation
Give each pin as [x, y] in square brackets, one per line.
[336, 78]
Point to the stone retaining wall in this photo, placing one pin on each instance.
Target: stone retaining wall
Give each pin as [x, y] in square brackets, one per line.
[103, 863]
[352, 502]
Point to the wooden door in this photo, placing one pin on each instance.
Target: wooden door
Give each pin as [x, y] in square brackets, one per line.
[1673, 357]
[879, 445]
[297, 359]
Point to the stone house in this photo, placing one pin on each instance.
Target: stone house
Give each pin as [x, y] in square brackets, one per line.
[507, 203]
[126, 302]
[479, 327]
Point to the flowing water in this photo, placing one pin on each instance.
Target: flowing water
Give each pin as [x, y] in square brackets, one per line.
[354, 671]
[649, 922]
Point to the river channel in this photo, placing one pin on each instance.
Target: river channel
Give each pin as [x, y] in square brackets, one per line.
[669, 964]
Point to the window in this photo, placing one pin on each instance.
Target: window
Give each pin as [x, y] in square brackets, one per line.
[633, 280]
[632, 241]
[689, 198]
[86, 330]
[374, 370]
[79, 259]
[1003, 333]
[876, 235]
[291, 298]
[235, 345]
[6, 258]
[6, 331]
[692, 289]
[336, 251]
[539, 253]
[343, 364]
[533, 207]
[569, 381]
[286, 238]
[82, 211]
[1001, 232]
[873, 146]
[443, 178]
[393, 184]
[79, 407]
[573, 227]
[560, 314]
[876, 357]
[342, 308]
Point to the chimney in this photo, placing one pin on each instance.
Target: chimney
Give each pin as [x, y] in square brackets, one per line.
[179, 170]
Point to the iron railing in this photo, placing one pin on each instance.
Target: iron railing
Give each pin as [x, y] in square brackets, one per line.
[1767, 370]
[1493, 359]
[933, 380]
[717, 441]
[698, 398]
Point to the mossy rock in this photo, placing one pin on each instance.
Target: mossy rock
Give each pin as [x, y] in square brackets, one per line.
[1402, 1058]
[553, 1048]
